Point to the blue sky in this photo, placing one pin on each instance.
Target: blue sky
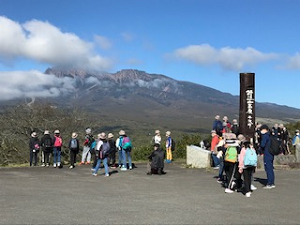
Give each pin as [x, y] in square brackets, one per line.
[201, 41]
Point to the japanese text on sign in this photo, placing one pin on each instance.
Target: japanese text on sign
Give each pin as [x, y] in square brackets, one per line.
[249, 112]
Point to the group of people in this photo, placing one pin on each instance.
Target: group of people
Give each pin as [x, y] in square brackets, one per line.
[101, 150]
[236, 156]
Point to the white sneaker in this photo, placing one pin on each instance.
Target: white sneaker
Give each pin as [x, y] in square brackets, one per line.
[43, 165]
[71, 167]
[124, 168]
[248, 194]
[227, 190]
[54, 165]
[130, 167]
[268, 187]
[94, 174]
[273, 186]
[232, 184]
[106, 175]
[253, 187]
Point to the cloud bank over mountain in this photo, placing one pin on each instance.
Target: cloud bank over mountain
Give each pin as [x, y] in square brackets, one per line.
[45, 43]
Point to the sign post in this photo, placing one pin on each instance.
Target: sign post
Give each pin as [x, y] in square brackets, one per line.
[247, 105]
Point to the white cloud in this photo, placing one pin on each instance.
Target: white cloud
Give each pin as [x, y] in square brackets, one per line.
[127, 36]
[227, 58]
[20, 84]
[293, 62]
[103, 42]
[43, 42]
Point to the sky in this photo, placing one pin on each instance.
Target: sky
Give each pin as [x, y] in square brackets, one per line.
[201, 41]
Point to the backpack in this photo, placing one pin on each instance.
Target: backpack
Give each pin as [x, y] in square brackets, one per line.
[58, 142]
[104, 150]
[231, 154]
[173, 145]
[126, 144]
[48, 142]
[73, 143]
[250, 158]
[274, 147]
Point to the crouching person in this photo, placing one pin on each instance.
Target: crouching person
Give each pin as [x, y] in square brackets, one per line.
[156, 161]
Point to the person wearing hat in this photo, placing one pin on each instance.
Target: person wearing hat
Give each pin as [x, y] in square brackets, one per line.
[34, 147]
[156, 138]
[156, 161]
[169, 147]
[112, 156]
[88, 140]
[47, 144]
[74, 149]
[125, 146]
[268, 157]
[57, 144]
[103, 148]
[217, 125]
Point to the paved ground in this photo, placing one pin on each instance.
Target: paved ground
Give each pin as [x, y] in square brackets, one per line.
[182, 196]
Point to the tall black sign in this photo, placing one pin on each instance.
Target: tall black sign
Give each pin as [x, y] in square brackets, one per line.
[247, 105]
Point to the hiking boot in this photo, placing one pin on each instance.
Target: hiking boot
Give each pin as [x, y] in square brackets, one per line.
[227, 190]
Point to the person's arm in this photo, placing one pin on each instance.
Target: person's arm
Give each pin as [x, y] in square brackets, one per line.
[241, 159]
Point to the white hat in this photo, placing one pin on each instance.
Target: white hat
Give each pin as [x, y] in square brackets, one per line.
[168, 133]
[34, 134]
[56, 132]
[74, 135]
[46, 132]
[157, 132]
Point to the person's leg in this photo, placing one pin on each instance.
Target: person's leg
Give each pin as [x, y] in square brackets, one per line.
[97, 167]
[88, 158]
[113, 158]
[269, 168]
[58, 156]
[221, 169]
[124, 166]
[30, 157]
[95, 158]
[55, 150]
[129, 159]
[105, 167]
[247, 180]
[170, 154]
[215, 159]
[149, 168]
[35, 158]
[84, 154]
[71, 158]
[43, 158]
[120, 158]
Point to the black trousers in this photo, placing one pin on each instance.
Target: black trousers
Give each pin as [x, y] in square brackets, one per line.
[33, 157]
[47, 157]
[73, 154]
[247, 174]
[111, 160]
[230, 170]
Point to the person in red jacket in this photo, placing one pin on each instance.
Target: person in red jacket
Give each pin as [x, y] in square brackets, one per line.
[214, 142]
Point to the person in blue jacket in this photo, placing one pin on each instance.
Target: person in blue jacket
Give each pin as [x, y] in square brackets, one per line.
[268, 157]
